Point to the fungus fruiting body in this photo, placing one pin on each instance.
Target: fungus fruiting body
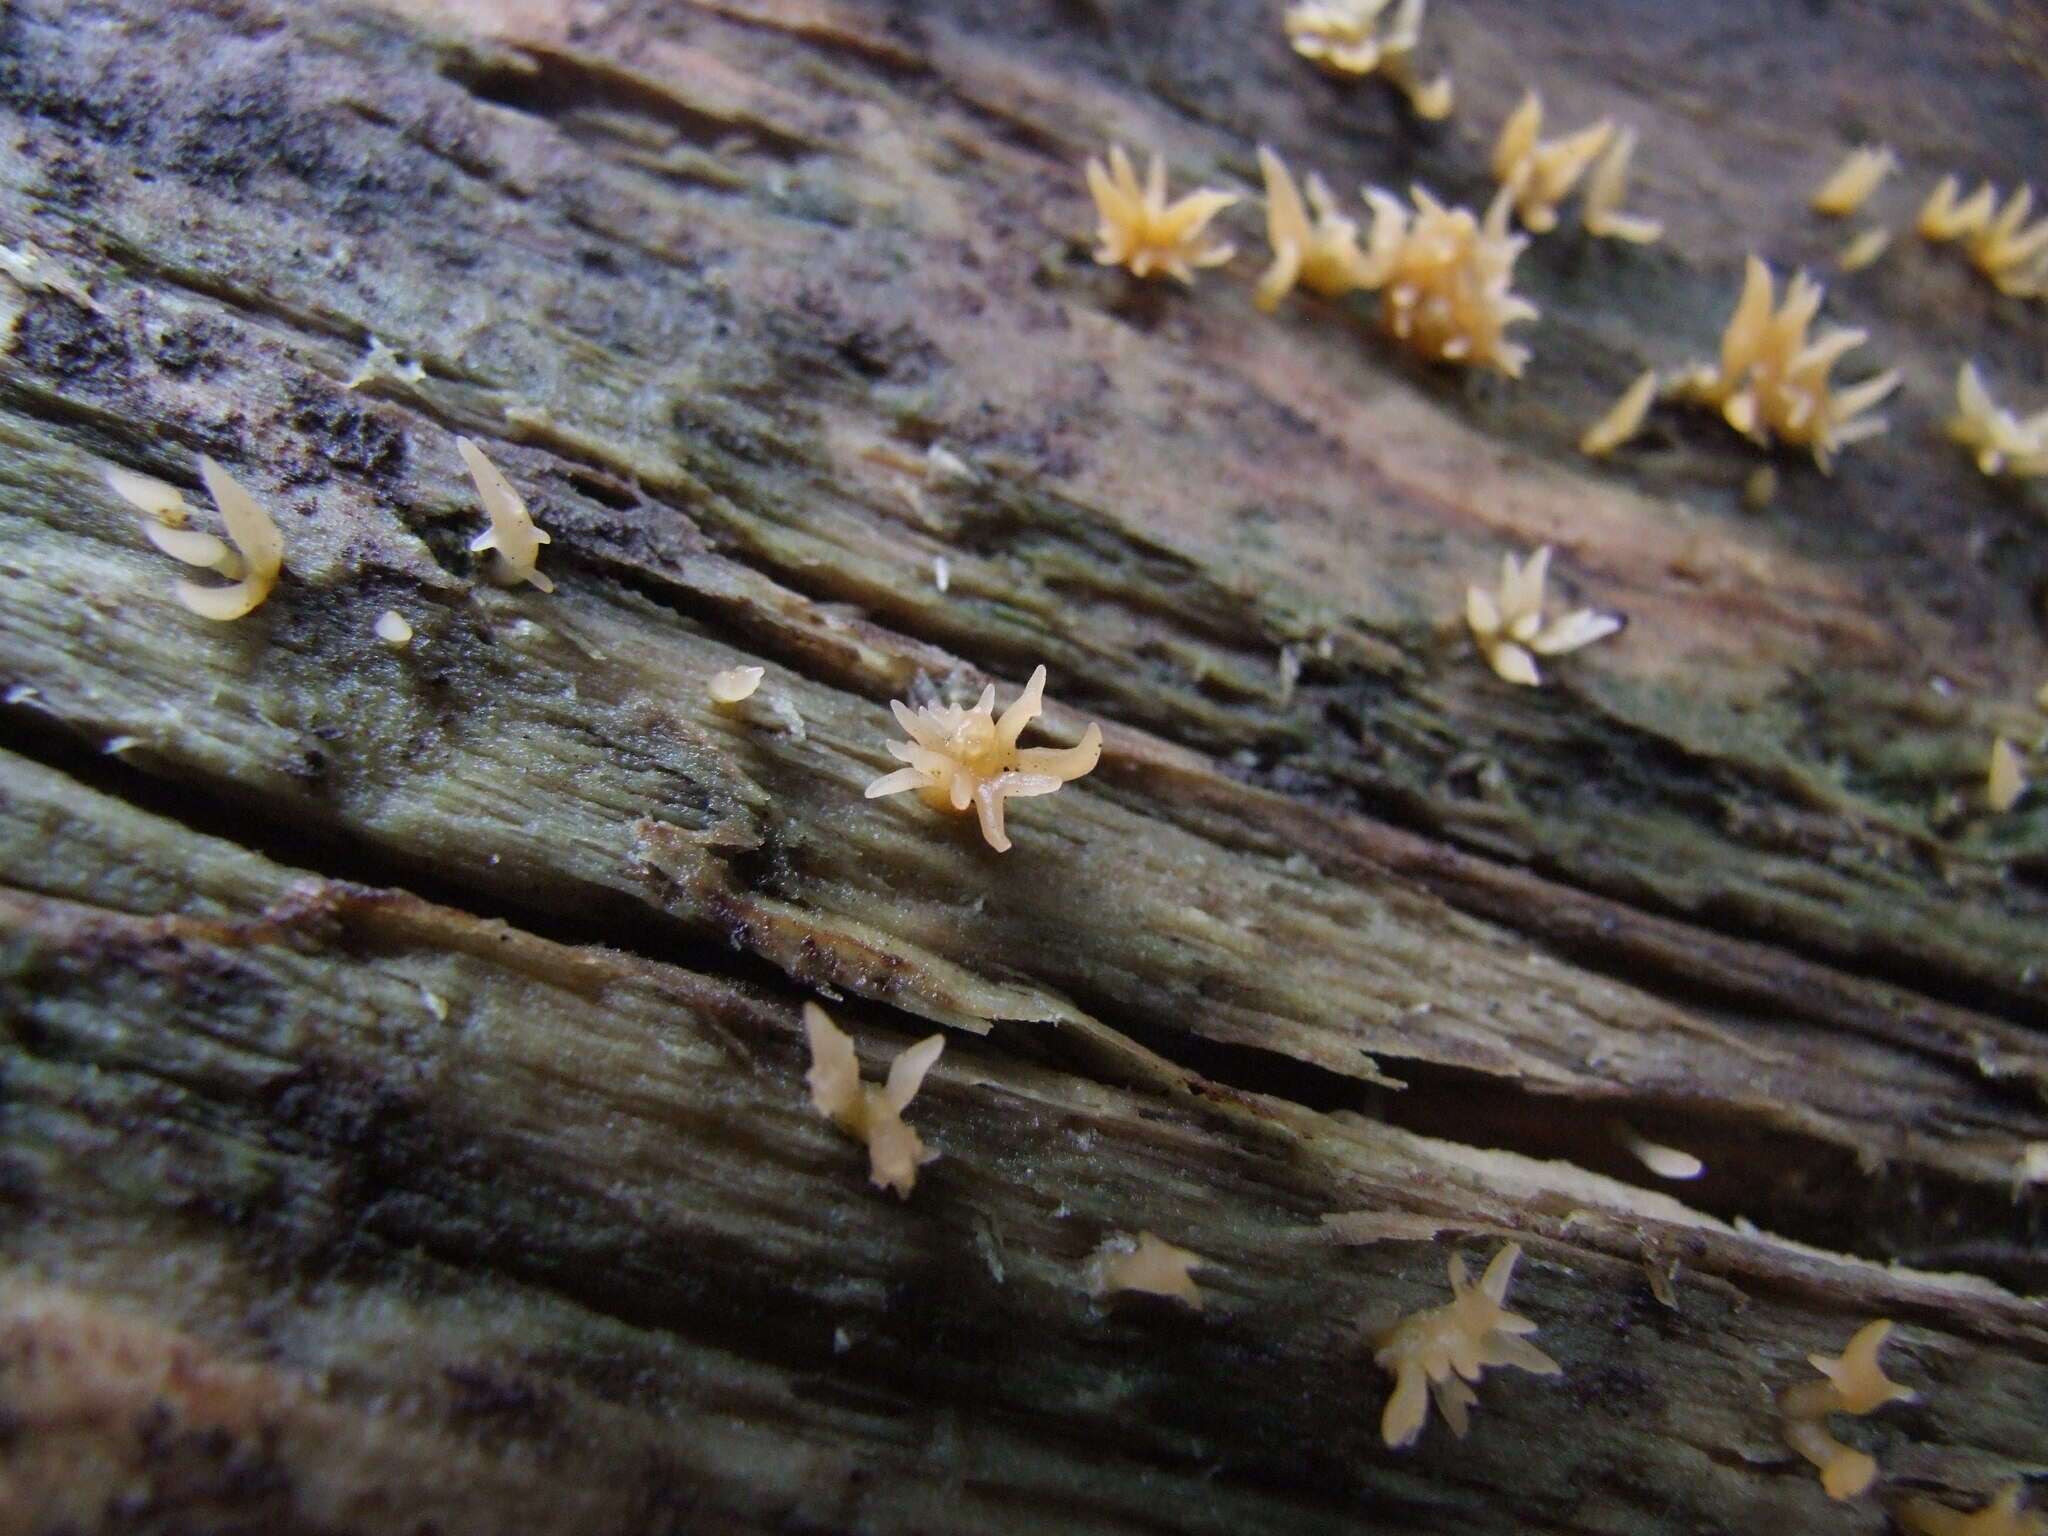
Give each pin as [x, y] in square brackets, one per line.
[969, 757]
[1998, 239]
[1864, 248]
[1360, 37]
[1142, 231]
[2001, 443]
[1147, 1264]
[1607, 190]
[2005, 781]
[734, 684]
[1443, 278]
[1623, 419]
[871, 1113]
[1539, 173]
[1772, 381]
[513, 536]
[393, 629]
[1850, 184]
[2001, 1517]
[251, 566]
[1320, 254]
[1437, 1352]
[1854, 1384]
[1509, 627]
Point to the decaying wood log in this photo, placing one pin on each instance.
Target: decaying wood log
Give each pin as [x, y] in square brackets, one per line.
[403, 1123]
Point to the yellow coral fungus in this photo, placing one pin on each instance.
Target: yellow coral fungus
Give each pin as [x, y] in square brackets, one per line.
[869, 1113]
[1142, 231]
[1150, 1264]
[1322, 256]
[512, 534]
[1772, 381]
[1607, 190]
[1999, 241]
[1444, 279]
[1430, 1351]
[961, 757]
[2004, 779]
[2001, 442]
[251, 567]
[1538, 173]
[1357, 37]
[1854, 1384]
[1850, 184]
[1623, 419]
[2001, 1517]
[1510, 629]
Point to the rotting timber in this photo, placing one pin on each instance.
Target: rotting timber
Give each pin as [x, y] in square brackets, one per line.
[403, 1108]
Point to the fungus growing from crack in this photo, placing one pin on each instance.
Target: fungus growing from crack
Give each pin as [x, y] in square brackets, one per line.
[968, 757]
[1772, 382]
[871, 1113]
[2001, 1517]
[1854, 1384]
[1998, 240]
[1624, 419]
[1443, 278]
[1149, 1264]
[1322, 254]
[2001, 443]
[251, 566]
[1142, 231]
[513, 536]
[1510, 629]
[1435, 1353]
[734, 684]
[1538, 173]
[1607, 190]
[1850, 184]
[1358, 37]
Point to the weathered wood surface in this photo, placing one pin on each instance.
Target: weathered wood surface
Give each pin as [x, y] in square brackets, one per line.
[404, 1118]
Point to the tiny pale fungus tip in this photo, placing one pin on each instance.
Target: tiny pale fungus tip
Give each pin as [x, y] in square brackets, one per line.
[1509, 628]
[1141, 231]
[393, 629]
[871, 1113]
[1624, 419]
[960, 758]
[1850, 184]
[150, 496]
[1607, 190]
[1436, 1353]
[1864, 248]
[2001, 443]
[734, 684]
[1147, 1264]
[1853, 1383]
[2005, 781]
[1665, 1162]
[513, 536]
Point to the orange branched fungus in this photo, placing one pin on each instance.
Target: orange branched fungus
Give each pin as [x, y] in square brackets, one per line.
[513, 533]
[1349, 37]
[253, 564]
[1150, 1264]
[1510, 630]
[1444, 278]
[961, 757]
[871, 1114]
[1772, 382]
[1855, 1384]
[1538, 173]
[1142, 231]
[1434, 1353]
[1321, 255]
[1999, 241]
